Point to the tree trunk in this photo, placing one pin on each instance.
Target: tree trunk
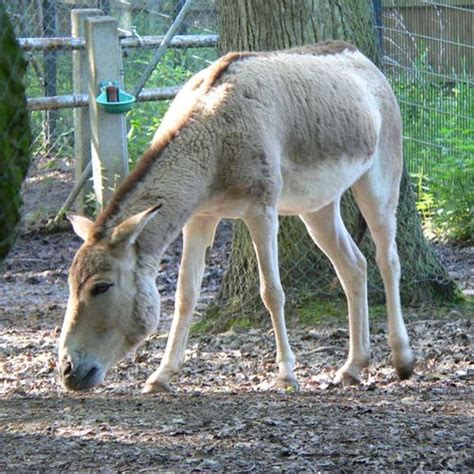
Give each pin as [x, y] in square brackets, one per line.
[305, 271]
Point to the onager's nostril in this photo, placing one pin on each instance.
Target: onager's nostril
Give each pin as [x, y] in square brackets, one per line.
[67, 368]
[80, 375]
[91, 372]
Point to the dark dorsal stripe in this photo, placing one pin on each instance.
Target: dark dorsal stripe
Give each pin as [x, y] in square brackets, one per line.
[324, 48]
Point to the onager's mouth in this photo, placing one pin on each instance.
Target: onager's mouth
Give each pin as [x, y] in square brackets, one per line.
[83, 376]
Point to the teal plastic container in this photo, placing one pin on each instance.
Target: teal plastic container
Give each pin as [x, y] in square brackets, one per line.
[124, 103]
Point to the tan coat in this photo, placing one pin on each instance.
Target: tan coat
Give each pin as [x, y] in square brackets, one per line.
[252, 136]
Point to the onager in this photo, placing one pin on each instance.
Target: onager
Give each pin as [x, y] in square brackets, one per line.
[252, 136]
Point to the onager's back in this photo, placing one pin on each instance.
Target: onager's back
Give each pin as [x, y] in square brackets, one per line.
[254, 135]
[302, 119]
[306, 102]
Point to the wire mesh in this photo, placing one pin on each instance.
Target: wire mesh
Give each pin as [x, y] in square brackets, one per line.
[49, 73]
[428, 56]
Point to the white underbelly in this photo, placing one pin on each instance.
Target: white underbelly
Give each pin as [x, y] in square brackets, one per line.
[225, 208]
[310, 190]
[303, 190]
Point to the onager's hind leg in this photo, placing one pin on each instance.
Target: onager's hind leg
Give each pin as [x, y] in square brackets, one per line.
[263, 226]
[377, 197]
[330, 234]
[198, 235]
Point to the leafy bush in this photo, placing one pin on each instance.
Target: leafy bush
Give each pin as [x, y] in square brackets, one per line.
[14, 133]
[175, 68]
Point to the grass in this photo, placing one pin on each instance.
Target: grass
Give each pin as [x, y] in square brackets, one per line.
[312, 312]
[208, 326]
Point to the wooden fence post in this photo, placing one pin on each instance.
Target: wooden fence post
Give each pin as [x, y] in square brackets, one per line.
[80, 82]
[109, 136]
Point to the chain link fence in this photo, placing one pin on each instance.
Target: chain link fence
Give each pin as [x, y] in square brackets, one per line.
[428, 55]
[49, 73]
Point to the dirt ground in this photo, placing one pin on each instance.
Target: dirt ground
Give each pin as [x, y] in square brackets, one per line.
[224, 414]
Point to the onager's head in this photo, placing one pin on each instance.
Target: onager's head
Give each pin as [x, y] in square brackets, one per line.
[113, 303]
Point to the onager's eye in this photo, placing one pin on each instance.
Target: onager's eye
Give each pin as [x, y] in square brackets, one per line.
[100, 288]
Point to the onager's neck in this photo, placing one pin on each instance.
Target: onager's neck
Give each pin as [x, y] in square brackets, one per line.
[178, 177]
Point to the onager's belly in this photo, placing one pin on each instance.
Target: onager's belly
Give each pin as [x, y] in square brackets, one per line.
[308, 190]
[305, 189]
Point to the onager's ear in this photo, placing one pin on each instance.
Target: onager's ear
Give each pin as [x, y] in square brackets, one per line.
[81, 225]
[128, 231]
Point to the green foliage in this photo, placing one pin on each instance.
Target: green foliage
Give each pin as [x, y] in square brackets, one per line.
[439, 150]
[14, 133]
[174, 69]
[34, 84]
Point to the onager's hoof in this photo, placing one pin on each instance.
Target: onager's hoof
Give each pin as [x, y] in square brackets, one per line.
[347, 377]
[404, 365]
[288, 384]
[157, 387]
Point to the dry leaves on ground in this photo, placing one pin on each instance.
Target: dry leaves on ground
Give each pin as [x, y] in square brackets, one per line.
[224, 414]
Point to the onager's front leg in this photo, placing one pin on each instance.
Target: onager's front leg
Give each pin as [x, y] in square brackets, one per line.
[263, 227]
[198, 235]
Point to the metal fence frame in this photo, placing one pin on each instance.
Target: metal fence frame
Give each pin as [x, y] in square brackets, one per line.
[53, 102]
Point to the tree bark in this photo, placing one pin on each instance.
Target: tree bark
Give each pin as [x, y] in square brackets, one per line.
[269, 25]
[264, 25]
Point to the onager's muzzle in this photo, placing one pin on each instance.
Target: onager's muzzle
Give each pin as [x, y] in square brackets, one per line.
[77, 374]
